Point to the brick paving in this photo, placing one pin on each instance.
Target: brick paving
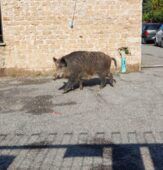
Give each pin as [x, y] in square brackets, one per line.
[82, 151]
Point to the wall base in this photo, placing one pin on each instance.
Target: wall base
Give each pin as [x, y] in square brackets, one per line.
[14, 72]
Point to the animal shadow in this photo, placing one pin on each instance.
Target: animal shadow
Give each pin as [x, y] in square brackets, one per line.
[90, 83]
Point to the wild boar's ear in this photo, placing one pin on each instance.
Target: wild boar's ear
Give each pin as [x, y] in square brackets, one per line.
[54, 59]
[63, 62]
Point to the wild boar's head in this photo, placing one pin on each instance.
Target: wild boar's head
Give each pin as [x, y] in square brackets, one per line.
[61, 68]
[59, 63]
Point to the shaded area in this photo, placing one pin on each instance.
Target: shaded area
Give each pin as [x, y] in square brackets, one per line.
[66, 103]
[41, 143]
[124, 156]
[33, 81]
[96, 81]
[20, 99]
[5, 161]
[89, 83]
[127, 157]
[98, 140]
[82, 151]
[11, 99]
[157, 156]
[39, 105]
[148, 54]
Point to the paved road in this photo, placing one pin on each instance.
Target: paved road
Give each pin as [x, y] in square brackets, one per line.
[114, 128]
[152, 55]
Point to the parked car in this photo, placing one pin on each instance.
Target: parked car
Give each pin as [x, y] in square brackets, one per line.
[149, 32]
[159, 37]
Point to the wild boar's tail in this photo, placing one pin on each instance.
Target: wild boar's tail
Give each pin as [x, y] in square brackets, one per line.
[115, 62]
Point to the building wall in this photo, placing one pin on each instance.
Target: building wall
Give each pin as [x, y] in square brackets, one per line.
[36, 30]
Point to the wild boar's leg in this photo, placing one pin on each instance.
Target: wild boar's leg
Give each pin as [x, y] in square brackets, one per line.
[111, 79]
[71, 82]
[103, 80]
[69, 86]
[81, 84]
[56, 77]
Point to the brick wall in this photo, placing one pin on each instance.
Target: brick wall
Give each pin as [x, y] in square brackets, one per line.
[37, 30]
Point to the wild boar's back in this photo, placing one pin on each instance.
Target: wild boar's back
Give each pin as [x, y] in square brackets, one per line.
[88, 62]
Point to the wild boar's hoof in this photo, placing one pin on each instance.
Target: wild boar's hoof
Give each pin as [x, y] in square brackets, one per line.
[68, 87]
[81, 87]
[102, 86]
[62, 87]
[112, 81]
[56, 78]
[67, 90]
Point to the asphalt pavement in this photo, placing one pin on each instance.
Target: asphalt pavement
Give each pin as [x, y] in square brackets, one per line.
[152, 55]
[118, 128]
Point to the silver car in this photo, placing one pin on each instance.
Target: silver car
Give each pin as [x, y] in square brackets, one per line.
[159, 37]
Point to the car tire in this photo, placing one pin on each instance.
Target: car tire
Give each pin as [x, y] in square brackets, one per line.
[144, 41]
[161, 44]
[155, 42]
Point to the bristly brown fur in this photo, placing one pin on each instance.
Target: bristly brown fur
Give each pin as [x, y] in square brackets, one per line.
[81, 64]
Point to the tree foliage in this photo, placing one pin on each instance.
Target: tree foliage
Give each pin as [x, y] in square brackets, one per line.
[153, 10]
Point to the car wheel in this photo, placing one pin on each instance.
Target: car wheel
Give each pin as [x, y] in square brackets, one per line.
[155, 42]
[161, 44]
[144, 41]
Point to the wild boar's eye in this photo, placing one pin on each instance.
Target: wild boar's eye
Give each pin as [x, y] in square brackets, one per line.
[63, 62]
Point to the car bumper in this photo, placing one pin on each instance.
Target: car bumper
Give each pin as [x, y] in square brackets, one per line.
[149, 38]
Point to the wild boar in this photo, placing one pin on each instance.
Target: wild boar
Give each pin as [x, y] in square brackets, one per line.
[79, 65]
